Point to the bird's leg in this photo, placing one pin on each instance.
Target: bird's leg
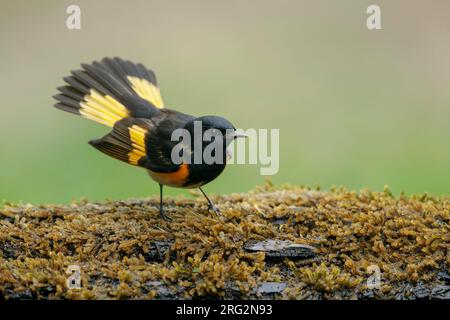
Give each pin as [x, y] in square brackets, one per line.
[162, 215]
[211, 205]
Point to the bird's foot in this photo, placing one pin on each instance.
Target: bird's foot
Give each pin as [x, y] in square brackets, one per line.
[214, 209]
[164, 217]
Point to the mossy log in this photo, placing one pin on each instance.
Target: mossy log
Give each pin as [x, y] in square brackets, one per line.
[280, 243]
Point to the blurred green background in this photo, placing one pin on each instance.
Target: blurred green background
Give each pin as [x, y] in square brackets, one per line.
[354, 107]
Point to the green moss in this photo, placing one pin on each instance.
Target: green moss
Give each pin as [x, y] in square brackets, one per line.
[125, 251]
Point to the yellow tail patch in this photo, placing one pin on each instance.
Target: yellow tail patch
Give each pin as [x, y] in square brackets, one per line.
[147, 91]
[102, 109]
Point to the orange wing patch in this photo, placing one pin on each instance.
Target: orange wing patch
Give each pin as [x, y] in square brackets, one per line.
[171, 179]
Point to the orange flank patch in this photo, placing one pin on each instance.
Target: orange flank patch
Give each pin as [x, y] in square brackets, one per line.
[171, 179]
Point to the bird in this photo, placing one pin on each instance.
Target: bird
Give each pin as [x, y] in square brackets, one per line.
[125, 96]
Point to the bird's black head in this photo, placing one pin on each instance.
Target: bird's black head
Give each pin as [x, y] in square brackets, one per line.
[209, 138]
[213, 124]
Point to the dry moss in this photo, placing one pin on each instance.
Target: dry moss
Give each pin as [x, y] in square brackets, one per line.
[125, 252]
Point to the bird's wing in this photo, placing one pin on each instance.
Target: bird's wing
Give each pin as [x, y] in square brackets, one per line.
[111, 90]
[161, 141]
[138, 142]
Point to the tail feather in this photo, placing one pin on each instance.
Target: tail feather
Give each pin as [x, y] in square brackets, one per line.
[109, 91]
[71, 93]
[76, 84]
[64, 107]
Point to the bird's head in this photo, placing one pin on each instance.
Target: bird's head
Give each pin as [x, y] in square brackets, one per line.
[213, 125]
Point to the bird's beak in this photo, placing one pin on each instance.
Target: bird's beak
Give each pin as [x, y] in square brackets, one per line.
[238, 134]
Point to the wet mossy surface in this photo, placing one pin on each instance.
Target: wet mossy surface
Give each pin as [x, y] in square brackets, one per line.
[334, 239]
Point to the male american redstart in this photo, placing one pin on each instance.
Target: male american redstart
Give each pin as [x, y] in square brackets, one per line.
[125, 96]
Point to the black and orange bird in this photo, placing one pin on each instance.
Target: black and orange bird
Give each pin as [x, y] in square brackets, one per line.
[125, 96]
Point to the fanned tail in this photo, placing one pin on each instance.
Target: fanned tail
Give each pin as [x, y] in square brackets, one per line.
[109, 91]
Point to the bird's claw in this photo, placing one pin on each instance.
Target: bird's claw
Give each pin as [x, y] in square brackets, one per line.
[214, 209]
[164, 217]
